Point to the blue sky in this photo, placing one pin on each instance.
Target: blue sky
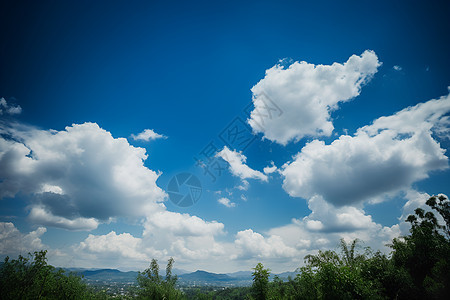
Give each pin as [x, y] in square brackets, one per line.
[305, 83]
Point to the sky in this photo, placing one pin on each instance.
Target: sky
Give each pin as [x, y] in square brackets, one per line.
[221, 134]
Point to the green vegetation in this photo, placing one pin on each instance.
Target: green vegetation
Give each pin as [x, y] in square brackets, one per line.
[32, 278]
[260, 287]
[417, 268]
[151, 286]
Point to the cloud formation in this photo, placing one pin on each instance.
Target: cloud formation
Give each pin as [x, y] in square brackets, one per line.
[226, 202]
[238, 168]
[13, 242]
[385, 157]
[148, 135]
[77, 177]
[189, 239]
[254, 245]
[282, 248]
[269, 170]
[6, 108]
[81, 177]
[307, 94]
[123, 245]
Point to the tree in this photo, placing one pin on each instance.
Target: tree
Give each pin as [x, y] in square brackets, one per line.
[425, 253]
[151, 286]
[441, 204]
[32, 278]
[260, 285]
[329, 275]
[170, 279]
[389, 280]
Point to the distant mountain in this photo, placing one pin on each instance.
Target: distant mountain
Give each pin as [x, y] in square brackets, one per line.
[108, 276]
[102, 271]
[241, 274]
[284, 275]
[203, 276]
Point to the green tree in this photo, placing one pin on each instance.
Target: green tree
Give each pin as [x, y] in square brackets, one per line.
[32, 278]
[388, 279]
[425, 253]
[151, 286]
[260, 287]
[441, 204]
[329, 275]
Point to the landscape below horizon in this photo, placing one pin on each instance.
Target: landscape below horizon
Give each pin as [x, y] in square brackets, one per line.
[185, 278]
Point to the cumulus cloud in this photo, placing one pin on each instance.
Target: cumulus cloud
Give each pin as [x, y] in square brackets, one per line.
[39, 215]
[226, 202]
[9, 109]
[183, 236]
[255, 245]
[321, 229]
[326, 218]
[182, 224]
[124, 245]
[306, 94]
[397, 68]
[148, 135]
[270, 169]
[281, 248]
[12, 241]
[76, 177]
[79, 177]
[189, 239]
[380, 159]
[238, 168]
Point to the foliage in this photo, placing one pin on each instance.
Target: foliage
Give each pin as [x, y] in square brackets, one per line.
[424, 254]
[151, 286]
[32, 278]
[260, 287]
[329, 275]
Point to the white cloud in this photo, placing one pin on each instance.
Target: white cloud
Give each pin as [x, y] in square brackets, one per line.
[294, 102]
[243, 186]
[322, 228]
[6, 108]
[269, 170]
[77, 177]
[253, 244]
[397, 68]
[280, 248]
[192, 241]
[13, 242]
[326, 218]
[238, 168]
[380, 159]
[39, 215]
[82, 176]
[123, 245]
[189, 239]
[148, 135]
[182, 224]
[226, 202]
[326, 225]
